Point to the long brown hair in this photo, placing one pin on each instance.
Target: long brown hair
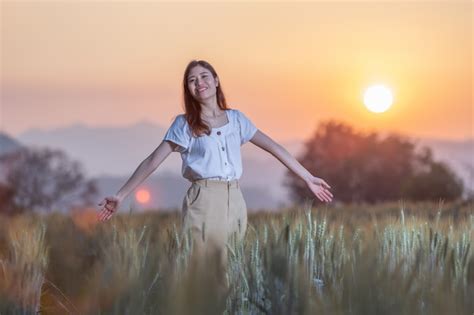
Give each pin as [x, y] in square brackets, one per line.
[192, 107]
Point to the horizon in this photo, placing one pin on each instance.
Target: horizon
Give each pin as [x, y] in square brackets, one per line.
[146, 121]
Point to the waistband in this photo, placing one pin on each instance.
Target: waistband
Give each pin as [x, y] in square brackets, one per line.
[217, 183]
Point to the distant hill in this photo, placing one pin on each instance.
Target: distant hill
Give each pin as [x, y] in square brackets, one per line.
[111, 154]
[102, 150]
[8, 144]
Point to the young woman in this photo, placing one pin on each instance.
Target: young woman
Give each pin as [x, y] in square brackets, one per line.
[209, 136]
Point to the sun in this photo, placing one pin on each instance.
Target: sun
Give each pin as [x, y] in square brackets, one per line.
[378, 98]
[142, 196]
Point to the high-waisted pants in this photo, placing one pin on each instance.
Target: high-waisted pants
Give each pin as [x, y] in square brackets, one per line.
[214, 210]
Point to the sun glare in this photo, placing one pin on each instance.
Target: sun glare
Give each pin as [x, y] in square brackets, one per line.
[378, 98]
[142, 196]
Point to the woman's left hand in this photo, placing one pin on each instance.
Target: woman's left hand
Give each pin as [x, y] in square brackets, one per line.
[320, 188]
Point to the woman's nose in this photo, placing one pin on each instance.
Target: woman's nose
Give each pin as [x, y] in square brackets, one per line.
[199, 83]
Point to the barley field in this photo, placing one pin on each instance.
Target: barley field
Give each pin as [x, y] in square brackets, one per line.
[396, 258]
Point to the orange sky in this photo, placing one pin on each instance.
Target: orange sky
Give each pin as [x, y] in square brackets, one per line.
[287, 66]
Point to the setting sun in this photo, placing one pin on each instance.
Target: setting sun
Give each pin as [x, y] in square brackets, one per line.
[142, 196]
[378, 98]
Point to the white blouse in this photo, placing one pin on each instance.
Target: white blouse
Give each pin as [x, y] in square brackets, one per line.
[215, 156]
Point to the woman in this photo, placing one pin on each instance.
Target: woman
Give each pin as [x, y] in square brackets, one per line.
[209, 136]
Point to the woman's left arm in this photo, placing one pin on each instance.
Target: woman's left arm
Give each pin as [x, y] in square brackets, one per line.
[317, 185]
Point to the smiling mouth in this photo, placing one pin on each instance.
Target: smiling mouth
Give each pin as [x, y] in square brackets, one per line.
[202, 90]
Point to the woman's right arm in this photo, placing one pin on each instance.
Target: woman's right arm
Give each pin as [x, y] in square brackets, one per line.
[148, 166]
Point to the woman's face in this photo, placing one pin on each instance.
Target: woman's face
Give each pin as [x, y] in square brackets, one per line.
[201, 83]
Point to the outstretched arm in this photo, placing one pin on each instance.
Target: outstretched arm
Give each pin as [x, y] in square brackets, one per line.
[146, 167]
[317, 185]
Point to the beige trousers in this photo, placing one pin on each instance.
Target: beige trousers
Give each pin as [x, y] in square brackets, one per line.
[214, 210]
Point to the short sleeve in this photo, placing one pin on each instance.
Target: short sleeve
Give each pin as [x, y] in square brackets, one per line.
[247, 128]
[178, 133]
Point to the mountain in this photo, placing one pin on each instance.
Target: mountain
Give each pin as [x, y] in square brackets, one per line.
[102, 150]
[8, 144]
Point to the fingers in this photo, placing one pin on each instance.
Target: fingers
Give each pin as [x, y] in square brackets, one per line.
[328, 193]
[101, 215]
[324, 195]
[324, 198]
[109, 206]
[321, 189]
[108, 215]
[325, 184]
[105, 214]
[321, 182]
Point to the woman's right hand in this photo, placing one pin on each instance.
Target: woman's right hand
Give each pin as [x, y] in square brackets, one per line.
[109, 206]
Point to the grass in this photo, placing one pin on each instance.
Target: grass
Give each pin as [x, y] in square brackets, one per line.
[360, 259]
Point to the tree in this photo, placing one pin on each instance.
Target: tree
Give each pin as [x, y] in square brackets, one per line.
[45, 179]
[432, 180]
[6, 199]
[361, 167]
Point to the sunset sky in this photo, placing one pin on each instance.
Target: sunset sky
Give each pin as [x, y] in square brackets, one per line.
[286, 66]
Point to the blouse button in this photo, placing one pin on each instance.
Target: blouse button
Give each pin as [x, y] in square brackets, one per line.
[223, 148]
[218, 133]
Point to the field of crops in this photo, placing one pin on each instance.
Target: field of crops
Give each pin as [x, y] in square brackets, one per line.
[389, 259]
